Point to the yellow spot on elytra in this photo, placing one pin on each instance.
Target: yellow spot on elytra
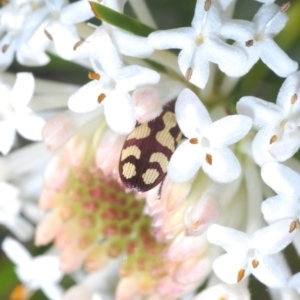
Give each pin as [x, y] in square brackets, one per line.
[255, 263]
[128, 170]
[194, 141]
[273, 139]
[150, 176]
[164, 137]
[208, 159]
[101, 98]
[93, 75]
[241, 275]
[294, 99]
[131, 150]
[293, 226]
[140, 132]
[161, 159]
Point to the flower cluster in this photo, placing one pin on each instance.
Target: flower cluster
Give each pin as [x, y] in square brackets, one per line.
[227, 206]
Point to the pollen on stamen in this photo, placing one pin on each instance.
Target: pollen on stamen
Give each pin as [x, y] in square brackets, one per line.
[294, 98]
[255, 263]
[95, 76]
[48, 35]
[196, 224]
[188, 74]
[194, 141]
[76, 45]
[241, 275]
[284, 7]
[207, 5]
[273, 139]
[4, 48]
[101, 98]
[293, 226]
[208, 159]
[249, 43]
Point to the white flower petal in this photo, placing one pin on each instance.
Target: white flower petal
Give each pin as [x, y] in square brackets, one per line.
[8, 134]
[26, 56]
[30, 126]
[195, 59]
[184, 162]
[15, 251]
[64, 37]
[238, 30]
[286, 146]
[270, 272]
[224, 166]
[133, 76]
[180, 38]
[21, 228]
[49, 263]
[22, 90]
[282, 179]
[273, 238]
[278, 208]
[227, 131]
[227, 267]
[119, 112]
[263, 113]
[290, 87]
[86, 98]
[260, 146]
[191, 114]
[131, 45]
[276, 59]
[76, 12]
[52, 291]
[228, 238]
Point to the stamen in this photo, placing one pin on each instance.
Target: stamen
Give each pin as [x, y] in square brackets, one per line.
[208, 159]
[207, 5]
[194, 141]
[249, 43]
[273, 139]
[93, 75]
[284, 7]
[294, 99]
[241, 275]
[188, 74]
[48, 35]
[196, 224]
[293, 226]
[80, 42]
[4, 48]
[255, 263]
[101, 98]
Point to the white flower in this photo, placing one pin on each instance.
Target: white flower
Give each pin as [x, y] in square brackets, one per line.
[252, 254]
[15, 115]
[41, 272]
[57, 23]
[15, 30]
[224, 291]
[207, 143]
[10, 209]
[113, 87]
[256, 39]
[286, 183]
[200, 44]
[279, 135]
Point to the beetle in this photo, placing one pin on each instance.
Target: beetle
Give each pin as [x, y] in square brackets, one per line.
[147, 151]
